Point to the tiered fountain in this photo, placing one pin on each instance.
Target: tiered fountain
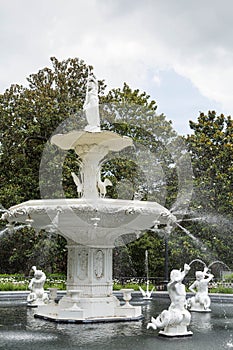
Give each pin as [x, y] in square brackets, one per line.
[91, 224]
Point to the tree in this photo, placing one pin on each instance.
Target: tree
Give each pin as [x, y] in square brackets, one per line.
[28, 117]
[211, 149]
[155, 247]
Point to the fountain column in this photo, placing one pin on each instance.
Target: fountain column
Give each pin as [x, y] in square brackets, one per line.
[89, 269]
[91, 156]
[89, 285]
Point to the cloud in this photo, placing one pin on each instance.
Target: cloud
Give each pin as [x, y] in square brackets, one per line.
[124, 40]
[157, 79]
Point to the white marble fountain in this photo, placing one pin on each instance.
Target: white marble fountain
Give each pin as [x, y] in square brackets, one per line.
[91, 224]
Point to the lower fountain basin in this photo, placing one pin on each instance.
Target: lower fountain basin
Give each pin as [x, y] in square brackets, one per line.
[98, 222]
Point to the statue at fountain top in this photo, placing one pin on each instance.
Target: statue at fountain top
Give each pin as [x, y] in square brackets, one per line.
[36, 286]
[176, 319]
[201, 301]
[91, 104]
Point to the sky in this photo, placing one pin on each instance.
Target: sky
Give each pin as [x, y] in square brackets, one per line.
[178, 51]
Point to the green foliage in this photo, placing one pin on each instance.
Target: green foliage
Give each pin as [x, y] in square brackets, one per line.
[211, 149]
[13, 282]
[228, 277]
[155, 247]
[18, 282]
[133, 284]
[23, 249]
[221, 289]
[55, 281]
[28, 117]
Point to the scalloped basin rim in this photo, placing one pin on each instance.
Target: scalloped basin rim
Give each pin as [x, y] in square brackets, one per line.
[74, 139]
[100, 204]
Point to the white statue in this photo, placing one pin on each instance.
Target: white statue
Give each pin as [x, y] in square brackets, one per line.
[78, 184]
[176, 319]
[201, 300]
[36, 286]
[91, 104]
[102, 186]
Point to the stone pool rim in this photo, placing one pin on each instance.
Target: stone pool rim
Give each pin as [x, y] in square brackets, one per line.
[22, 295]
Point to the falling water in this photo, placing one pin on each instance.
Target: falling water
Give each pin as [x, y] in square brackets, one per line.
[16, 228]
[12, 229]
[219, 222]
[3, 231]
[2, 209]
[146, 265]
[197, 260]
[190, 219]
[198, 243]
[146, 294]
[219, 262]
[195, 239]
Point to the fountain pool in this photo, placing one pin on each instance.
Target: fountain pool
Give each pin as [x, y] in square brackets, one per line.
[19, 330]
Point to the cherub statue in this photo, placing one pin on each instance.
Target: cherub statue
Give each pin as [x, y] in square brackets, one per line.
[176, 319]
[201, 300]
[36, 286]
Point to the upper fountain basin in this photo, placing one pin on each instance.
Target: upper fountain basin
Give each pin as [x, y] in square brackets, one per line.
[77, 139]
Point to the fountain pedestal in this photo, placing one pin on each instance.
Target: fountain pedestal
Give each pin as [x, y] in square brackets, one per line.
[89, 295]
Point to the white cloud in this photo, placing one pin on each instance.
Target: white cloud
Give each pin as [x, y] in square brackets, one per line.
[124, 40]
[157, 79]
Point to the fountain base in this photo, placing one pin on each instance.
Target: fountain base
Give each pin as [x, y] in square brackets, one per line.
[175, 331]
[88, 310]
[194, 306]
[200, 309]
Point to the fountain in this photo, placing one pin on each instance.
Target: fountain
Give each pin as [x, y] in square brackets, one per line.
[92, 224]
[147, 293]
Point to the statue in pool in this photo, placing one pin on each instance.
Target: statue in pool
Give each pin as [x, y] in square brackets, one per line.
[37, 295]
[200, 302]
[175, 320]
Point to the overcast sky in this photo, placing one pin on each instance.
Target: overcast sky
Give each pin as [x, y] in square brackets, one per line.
[179, 51]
